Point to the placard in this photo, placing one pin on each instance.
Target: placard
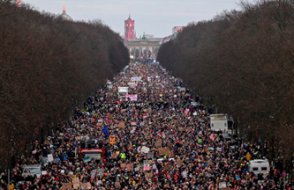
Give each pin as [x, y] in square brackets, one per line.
[122, 125]
[50, 158]
[144, 149]
[146, 166]
[136, 78]
[132, 97]
[123, 89]
[165, 151]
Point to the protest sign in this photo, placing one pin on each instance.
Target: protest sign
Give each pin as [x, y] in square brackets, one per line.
[122, 89]
[109, 86]
[164, 151]
[50, 158]
[136, 78]
[122, 125]
[144, 149]
[131, 97]
[146, 165]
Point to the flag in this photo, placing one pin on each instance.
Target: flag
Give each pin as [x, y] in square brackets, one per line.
[248, 156]
[112, 139]
[186, 112]
[105, 131]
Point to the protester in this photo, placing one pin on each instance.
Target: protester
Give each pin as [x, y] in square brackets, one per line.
[151, 137]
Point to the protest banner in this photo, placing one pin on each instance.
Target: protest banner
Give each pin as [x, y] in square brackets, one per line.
[131, 97]
[122, 89]
[136, 78]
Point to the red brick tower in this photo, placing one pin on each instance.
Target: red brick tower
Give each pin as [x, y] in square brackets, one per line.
[18, 2]
[130, 29]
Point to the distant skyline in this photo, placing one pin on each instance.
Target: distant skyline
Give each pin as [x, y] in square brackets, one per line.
[155, 17]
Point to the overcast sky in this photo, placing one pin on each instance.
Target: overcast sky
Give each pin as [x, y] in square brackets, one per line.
[156, 17]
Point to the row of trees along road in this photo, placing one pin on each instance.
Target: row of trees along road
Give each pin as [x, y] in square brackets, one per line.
[243, 63]
[48, 66]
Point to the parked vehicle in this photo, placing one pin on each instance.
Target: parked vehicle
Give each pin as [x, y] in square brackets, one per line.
[219, 122]
[259, 166]
[87, 154]
[31, 170]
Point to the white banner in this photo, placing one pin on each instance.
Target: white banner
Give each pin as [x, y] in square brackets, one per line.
[136, 78]
[123, 89]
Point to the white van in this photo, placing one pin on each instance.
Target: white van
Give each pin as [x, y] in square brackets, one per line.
[259, 166]
[219, 122]
[31, 170]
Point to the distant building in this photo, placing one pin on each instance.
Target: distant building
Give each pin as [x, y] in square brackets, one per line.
[144, 48]
[147, 36]
[147, 46]
[130, 29]
[65, 16]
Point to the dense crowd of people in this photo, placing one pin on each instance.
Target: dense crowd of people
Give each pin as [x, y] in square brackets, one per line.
[151, 135]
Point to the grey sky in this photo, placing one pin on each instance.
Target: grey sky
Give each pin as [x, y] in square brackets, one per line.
[156, 17]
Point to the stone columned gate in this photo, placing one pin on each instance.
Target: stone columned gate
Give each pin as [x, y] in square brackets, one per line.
[145, 48]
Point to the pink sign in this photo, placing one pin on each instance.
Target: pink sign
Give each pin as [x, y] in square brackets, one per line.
[212, 137]
[132, 97]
